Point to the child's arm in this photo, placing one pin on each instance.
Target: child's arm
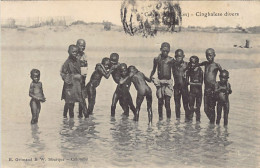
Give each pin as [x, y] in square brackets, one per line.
[155, 63]
[123, 80]
[31, 93]
[65, 73]
[219, 88]
[43, 99]
[147, 79]
[229, 89]
[101, 70]
[203, 63]
[219, 67]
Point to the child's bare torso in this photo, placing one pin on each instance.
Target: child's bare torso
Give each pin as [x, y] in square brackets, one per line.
[222, 95]
[164, 66]
[211, 70]
[37, 90]
[140, 85]
[178, 74]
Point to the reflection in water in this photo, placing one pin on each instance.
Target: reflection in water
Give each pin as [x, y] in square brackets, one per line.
[78, 142]
[37, 145]
[125, 141]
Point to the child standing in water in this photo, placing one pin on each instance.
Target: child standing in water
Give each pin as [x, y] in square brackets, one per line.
[95, 79]
[210, 74]
[72, 89]
[195, 79]
[123, 91]
[180, 84]
[143, 90]
[36, 93]
[81, 56]
[164, 85]
[222, 91]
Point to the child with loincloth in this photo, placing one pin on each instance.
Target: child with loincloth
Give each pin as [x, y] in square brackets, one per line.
[143, 90]
[222, 91]
[81, 56]
[95, 79]
[71, 75]
[195, 79]
[180, 84]
[210, 73]
[36, 93]
[164, 85]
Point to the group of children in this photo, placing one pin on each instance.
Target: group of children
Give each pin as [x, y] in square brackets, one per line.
[186, 74]
[74, 71]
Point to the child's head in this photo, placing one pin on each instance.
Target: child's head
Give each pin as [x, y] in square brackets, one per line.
[210, 54]
[73, 50]
[194, 61]
[223, 76]
[132, 69]
[114, 57]
[179, 55]
[123, 69]
[165, 49]
[81, 44]
[35, 75]
[105, 62]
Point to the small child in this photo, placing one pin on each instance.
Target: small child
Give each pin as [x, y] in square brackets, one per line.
[195, 79]
[222, 91]
[36, 93]
[143, 90]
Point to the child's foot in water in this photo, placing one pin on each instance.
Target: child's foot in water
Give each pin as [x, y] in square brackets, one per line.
[33, 122]
[135, 118]
[80, 116]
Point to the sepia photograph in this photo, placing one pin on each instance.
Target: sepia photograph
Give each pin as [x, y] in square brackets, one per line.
[130, 83]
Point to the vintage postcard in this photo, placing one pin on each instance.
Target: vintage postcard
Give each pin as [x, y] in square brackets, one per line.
[130, 83]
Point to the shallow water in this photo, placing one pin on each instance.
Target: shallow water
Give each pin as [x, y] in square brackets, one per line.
[120, 142]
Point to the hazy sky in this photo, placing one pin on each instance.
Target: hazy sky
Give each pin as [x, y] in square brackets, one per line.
[97, 11]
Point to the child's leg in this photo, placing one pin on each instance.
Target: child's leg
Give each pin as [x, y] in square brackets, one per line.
[139, 101]
[219, 111]
[65, 111]
[114, 102]
[34, 110]
[91, 98]
[209, 104]
[84, 109]
[124, 105]
[168, 106]
[38, 111]
[185, 101]
[130, 103]
[206, 103]
[226, 111]
[191, 104]
[160, 108]
[80, 110]
[177, 99]
[71, 110]
[198, 105]
[149, 100]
